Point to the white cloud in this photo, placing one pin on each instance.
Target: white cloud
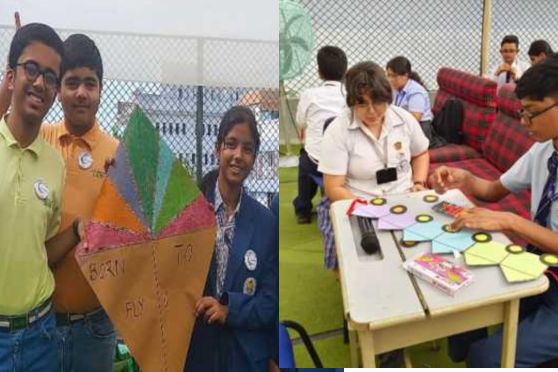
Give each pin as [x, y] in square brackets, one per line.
[231, 19]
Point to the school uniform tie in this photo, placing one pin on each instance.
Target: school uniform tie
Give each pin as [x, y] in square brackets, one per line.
[547, 197]
[399, 98]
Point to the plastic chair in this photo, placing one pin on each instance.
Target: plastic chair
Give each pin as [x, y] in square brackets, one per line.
[286, 354]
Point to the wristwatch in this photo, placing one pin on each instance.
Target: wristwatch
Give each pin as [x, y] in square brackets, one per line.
[422, 183]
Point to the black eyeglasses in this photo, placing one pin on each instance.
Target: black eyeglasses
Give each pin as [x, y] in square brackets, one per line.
[531, 115]
[32, 72]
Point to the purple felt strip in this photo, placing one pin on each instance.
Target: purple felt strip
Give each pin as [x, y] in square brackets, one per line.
[396, 221]
[122, 176]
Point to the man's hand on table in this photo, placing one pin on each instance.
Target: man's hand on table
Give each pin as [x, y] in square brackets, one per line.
[483, 219]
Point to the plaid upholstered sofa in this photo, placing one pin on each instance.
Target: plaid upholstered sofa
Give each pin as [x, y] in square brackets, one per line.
[478, 96]
[494, 137]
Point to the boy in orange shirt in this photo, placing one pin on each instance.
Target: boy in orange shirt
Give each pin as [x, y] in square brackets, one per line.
[87, 337]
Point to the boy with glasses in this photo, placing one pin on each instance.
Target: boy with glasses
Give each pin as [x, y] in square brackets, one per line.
[537, 333]
[87, 336]
[511, 68]
[31, 181]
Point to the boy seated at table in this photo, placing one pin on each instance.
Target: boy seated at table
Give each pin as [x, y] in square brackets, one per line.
[537, 333]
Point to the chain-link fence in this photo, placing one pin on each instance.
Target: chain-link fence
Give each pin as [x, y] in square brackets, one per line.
[185, 85]
[430, 33]
[528, 20]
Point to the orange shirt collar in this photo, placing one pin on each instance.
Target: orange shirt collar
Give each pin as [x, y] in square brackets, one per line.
[90, 137]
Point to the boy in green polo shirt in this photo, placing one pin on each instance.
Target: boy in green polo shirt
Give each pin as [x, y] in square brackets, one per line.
[31, 184]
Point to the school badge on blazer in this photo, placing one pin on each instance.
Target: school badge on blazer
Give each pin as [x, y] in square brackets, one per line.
[249, 286]
[250, 260]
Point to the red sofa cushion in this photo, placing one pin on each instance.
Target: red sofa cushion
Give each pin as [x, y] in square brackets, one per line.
[471, 88]
[452, 152]
[507, 140]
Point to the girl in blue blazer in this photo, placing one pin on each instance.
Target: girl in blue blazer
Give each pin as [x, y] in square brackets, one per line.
[236, 317]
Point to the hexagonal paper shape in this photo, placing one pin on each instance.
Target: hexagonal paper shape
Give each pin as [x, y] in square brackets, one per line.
[422, 232]
[453, 241]
[522, 267]
[484, 254]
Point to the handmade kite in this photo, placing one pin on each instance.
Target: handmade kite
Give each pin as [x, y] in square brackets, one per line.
[148, 246]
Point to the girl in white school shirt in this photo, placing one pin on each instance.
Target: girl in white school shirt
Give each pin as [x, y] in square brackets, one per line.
[373, 148]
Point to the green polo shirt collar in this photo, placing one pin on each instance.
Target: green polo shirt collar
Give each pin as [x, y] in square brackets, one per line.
[36, 147]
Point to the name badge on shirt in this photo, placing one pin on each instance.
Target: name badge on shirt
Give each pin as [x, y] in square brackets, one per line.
[249, 286]
[85, 160]
[41, 189]
[250, 260]
[386, 175]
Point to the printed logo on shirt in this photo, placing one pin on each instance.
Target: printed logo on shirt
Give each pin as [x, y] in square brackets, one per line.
[41, 189]
[42, 192]
[85, 160]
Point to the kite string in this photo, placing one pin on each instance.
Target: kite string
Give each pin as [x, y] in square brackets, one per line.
[158, 295]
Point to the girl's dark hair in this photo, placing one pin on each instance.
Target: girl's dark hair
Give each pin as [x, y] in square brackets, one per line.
[402, 66]
[367, 78]
[239, 115]
[235, 115]
[208, 182]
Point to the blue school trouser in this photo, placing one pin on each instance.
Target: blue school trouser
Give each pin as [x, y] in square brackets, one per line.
[537, 335]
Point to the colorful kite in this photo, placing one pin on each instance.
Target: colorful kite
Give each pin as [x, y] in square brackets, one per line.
[148, 247]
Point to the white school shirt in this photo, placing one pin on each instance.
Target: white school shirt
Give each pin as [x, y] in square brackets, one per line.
[520, 68]
[348, 150]
[531, 170]
[315, 106]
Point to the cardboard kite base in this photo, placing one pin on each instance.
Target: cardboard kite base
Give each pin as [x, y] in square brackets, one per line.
[153, 309]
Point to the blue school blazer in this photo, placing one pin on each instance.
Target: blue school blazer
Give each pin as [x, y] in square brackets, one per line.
[247, 339]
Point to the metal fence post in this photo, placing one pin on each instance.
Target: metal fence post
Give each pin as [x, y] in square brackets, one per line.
[199, 132]
[485, 42]
[199, 113]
